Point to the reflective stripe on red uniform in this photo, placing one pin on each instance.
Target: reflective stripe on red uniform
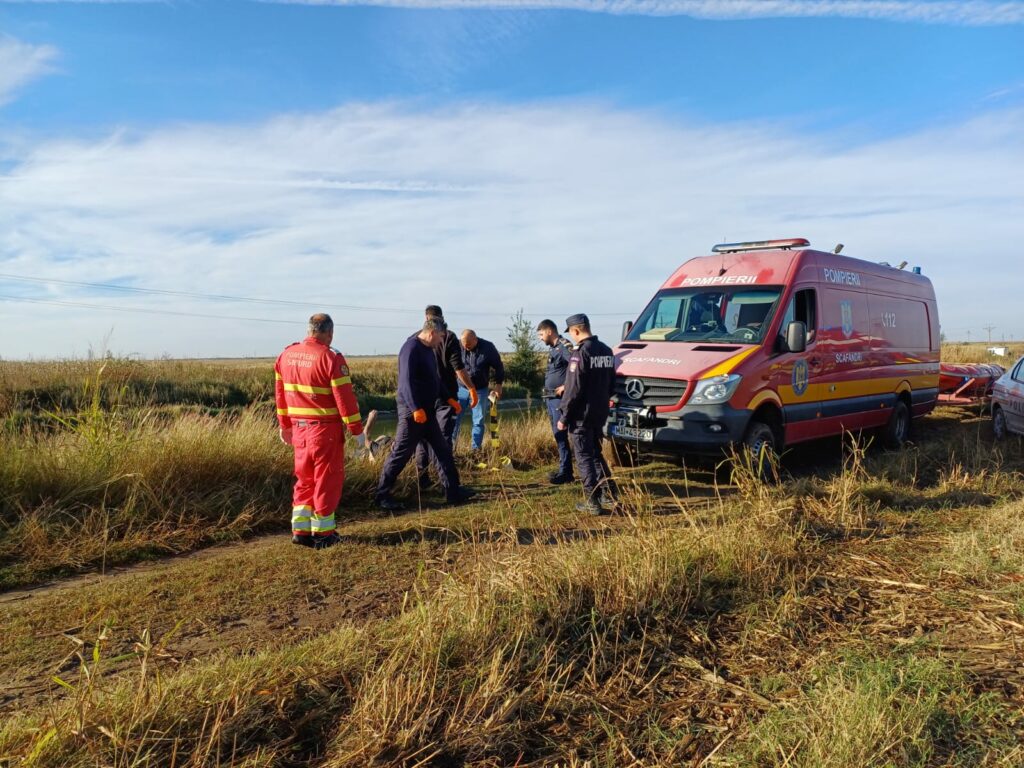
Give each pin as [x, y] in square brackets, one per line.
[312, 381]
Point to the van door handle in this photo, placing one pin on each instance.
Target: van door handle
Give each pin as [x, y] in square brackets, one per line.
[815, 362]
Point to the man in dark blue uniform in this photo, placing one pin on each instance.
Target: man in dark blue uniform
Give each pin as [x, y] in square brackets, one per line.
[419, 386]
[589, 383]
[452, 371]
[559, 352]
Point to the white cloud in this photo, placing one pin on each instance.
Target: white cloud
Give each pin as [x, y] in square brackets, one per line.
[482, 208]
[967, 12]
[21, 62]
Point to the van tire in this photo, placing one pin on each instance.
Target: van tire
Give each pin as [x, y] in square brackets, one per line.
[761, 445]
[897, 431]
[999, 423]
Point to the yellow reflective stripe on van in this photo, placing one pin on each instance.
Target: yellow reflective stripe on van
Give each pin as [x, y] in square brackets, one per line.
[282, 411]
[341, 382]
[352, 419]
[307, 389]
[292, 411]
[726, 366]
[277, 376]
[828, 391]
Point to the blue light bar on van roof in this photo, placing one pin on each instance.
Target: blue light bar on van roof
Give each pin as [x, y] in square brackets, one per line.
[761, 245]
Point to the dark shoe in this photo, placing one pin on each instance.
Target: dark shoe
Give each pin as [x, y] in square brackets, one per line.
[389, 504]
[323, 542]
[609, 501]
[558, 478]
[591, 508]
[302, 541]
[461, 496]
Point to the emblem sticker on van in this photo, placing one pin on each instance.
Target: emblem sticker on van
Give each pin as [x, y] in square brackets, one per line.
[800, 377]
[846, 308]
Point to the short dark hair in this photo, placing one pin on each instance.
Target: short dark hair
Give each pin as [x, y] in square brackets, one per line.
[433, 310]
[320, 323]
[585, 327]
[547, 325]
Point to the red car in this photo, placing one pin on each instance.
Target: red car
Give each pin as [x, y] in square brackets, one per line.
[1008, 402]
[774, 343]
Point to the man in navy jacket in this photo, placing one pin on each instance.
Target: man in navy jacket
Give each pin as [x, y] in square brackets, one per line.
[482, 362]
[419, 387]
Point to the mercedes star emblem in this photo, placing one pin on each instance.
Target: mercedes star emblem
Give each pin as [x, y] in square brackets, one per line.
[634, 388]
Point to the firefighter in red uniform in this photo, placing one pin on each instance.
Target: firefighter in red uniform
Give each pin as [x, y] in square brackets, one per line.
[315, 403]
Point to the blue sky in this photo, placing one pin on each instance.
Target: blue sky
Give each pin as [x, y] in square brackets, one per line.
[485, 157]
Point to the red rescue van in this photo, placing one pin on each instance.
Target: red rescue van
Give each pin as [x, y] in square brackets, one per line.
[773, 343]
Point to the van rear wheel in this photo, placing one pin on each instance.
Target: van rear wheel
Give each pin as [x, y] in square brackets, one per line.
[897, 430]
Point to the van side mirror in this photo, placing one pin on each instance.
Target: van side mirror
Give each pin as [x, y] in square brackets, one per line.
[796, 336]
[626, 328]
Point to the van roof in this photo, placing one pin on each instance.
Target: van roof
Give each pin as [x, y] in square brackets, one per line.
[781, 266]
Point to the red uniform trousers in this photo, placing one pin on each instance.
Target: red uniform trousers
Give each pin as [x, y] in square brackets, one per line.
[319, 475]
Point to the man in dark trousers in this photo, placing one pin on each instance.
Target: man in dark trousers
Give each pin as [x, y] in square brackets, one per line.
[589, 383]
[559, 352]
[482, 361]
[453, 372]
[419, 387]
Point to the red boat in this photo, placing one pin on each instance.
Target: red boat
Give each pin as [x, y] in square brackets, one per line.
[967, 383]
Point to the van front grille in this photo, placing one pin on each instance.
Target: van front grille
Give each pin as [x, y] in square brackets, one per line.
[655, 391]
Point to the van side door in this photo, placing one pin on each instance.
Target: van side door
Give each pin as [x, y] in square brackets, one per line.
[795, 376]
[846, 383]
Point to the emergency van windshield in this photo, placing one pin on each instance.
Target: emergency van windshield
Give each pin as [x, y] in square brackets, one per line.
[733, 315]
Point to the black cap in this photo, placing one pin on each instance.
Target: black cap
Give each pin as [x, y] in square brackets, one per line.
[577, 319]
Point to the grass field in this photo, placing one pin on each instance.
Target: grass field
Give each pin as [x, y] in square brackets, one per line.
[866, 611]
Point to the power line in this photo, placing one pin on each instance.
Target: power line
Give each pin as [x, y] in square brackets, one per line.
[193, 295]
[144, 310]
[254, 300]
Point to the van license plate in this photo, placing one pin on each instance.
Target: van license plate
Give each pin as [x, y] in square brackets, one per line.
[632, 433]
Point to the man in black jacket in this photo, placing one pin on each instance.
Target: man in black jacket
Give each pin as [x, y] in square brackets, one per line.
[453, 372]
[589, 384]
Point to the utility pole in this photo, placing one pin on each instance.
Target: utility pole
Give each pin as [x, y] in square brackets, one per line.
[968, 335]
[989, 328]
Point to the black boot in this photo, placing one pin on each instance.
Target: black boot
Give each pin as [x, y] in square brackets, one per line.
[461, 496]
[389, 504]
[323, 542]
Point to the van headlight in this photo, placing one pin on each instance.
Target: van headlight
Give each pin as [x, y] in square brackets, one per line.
[717, 389]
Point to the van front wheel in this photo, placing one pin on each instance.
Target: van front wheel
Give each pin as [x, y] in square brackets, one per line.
[898, 429]
[762, 448]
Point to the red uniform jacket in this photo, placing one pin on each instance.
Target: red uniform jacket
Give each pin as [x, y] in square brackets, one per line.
[312, 381]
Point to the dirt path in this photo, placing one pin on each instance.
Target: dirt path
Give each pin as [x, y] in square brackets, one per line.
[189, 608]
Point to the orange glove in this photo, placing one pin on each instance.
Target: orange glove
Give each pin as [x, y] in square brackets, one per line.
[419, 416]
[455, 405]
[474, 398]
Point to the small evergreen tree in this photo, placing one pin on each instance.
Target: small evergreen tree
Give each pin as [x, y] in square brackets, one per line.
[524, 366]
